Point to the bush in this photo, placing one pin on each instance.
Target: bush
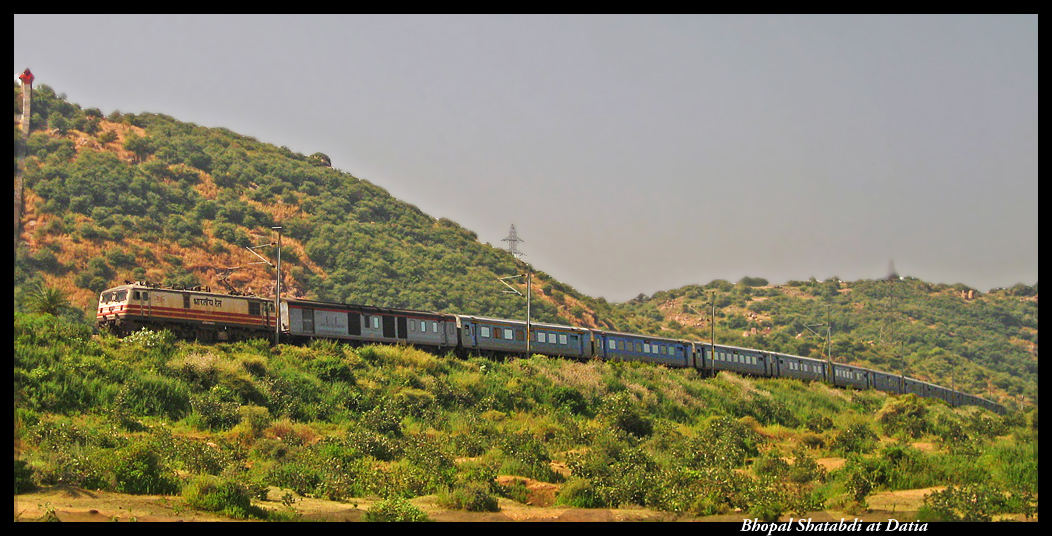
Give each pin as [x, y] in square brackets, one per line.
[217, 495]
[856, 438]
[970, 503]
[107, 136]
[579, 493]
[23, 477]
[395, 510]
[138, 471]
[907, 414]
[472, 497]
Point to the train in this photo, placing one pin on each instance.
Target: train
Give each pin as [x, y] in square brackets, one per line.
[200, 314]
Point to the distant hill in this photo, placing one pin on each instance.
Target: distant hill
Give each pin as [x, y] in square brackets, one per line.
[147, 197]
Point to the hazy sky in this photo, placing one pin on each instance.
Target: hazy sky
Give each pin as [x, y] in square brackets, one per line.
[632, 153]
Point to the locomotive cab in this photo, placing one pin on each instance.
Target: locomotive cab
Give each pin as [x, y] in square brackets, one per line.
[114, 305]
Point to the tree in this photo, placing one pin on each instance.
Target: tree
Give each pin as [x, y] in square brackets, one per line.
[59, 124]
[321, 159]
[138, 145]
[753, 281]
[48, 300]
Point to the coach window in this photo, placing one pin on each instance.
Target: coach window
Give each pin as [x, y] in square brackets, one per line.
[520, 335]
[562, 338]
[186, 301]
[484, 331]
[611, 344]
[376, 322]
[253, 308]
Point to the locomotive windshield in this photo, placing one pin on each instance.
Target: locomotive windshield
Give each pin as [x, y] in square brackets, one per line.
[118, 296]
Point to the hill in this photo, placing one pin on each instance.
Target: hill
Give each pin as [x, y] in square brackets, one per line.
[147, 197]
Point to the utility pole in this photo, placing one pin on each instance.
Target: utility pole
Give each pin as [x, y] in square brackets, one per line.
[829, 344]
[712, 326]
[513, 248]
[529, 292]
[277, 292]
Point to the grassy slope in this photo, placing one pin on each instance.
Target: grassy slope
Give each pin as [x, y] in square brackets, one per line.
[148, 414]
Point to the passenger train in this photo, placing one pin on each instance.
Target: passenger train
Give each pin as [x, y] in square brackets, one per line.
[207, 316]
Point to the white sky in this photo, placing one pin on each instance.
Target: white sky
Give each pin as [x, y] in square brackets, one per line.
[632, 153]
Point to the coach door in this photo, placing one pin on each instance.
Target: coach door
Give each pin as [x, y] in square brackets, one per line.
[389, 327]
[354, 324]
[403, 327]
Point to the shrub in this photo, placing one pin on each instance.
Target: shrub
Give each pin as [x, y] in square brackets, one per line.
[154, 395]
[855, 438]
[812, 441]
[772, 465]
[23, 477]
[297, 476]
[579, 493]
[907, 414]
[395, 510]
[217, 495]
[138, 470]
[625, 415]
[107, 136]
[969, 503]
[472, 497]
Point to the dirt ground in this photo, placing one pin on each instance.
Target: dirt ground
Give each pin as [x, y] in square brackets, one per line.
[72, 504]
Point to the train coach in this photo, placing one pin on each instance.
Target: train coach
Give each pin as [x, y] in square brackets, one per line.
[851, 376]
[497, 336]
[360, 324]
[616, 346]
[736, 359]
[798, 367]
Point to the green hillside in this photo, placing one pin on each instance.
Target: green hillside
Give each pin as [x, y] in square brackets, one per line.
[247, 429]
[145, 196]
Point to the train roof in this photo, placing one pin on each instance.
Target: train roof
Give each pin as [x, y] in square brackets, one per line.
[515, 321]
[196, 290]
[364, 308]
[644, 336]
